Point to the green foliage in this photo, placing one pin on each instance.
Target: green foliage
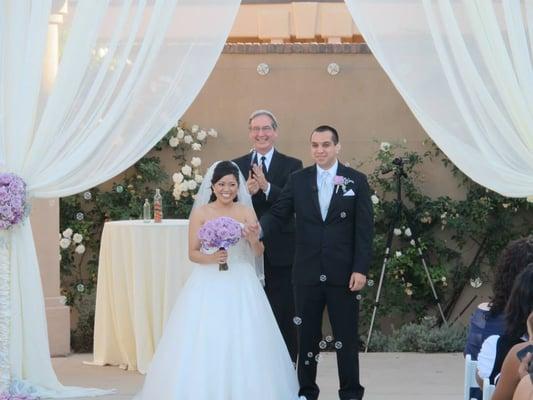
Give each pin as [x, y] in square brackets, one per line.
[424, 337]
[482, 223]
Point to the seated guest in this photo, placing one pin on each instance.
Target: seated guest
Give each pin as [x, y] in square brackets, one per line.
[488, 319]
[513, 370]
[495, 348]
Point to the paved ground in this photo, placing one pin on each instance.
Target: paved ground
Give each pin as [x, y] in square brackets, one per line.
[386, 376]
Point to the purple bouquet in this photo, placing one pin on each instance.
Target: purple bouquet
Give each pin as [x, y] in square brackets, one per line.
[12, 200]
[220, 233]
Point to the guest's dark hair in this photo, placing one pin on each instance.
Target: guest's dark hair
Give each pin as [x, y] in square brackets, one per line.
[327, 128]
[222, 169]
[520, 303]
[514, 258]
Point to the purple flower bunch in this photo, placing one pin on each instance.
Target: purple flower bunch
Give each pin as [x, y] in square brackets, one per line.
[12, 200]
[220, 233]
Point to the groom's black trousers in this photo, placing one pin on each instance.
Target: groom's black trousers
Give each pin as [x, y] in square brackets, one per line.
[343, 310]
[279, 291]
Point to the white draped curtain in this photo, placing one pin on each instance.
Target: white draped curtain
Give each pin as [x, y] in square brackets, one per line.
[128, 70]
[465, 69]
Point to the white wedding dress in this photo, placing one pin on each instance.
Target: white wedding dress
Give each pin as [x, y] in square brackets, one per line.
[221, 341]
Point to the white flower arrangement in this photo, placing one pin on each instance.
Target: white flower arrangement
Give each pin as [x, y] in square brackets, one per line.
[77, 238]
[188, 177]
[196, 162]
[173, 141]
[201, 135]
[384, 146]
[186, 170]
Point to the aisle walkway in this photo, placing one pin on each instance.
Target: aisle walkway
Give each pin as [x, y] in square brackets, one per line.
[387, 376]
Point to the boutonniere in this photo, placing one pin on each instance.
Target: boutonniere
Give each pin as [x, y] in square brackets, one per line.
[341, 181]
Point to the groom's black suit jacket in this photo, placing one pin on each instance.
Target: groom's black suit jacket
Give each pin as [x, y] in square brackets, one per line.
[336, 247]
[279, 248]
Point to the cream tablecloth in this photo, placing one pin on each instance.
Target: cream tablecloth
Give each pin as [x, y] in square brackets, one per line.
[141, 270]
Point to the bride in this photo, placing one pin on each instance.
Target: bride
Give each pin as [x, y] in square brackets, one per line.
[221, 341]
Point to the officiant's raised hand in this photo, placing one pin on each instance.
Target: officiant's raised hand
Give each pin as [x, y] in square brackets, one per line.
[252, 184]
[357, 281]
[260, 177]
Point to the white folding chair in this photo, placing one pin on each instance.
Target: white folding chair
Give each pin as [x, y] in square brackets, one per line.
[470, 376]
[488, 389]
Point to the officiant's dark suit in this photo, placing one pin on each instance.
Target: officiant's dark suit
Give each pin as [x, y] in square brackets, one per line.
[333, 254]
[279, 248]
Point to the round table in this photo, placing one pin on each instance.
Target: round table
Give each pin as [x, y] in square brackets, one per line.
[142, 268]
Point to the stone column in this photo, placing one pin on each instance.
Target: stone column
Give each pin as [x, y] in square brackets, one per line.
[45, 220]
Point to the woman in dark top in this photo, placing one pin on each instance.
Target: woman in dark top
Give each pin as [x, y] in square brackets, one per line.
[488, 319]
[517, 311]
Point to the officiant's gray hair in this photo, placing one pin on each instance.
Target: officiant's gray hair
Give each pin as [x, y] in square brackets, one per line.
[269, 114]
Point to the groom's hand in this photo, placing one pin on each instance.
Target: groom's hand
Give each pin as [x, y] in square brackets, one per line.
[357, 281]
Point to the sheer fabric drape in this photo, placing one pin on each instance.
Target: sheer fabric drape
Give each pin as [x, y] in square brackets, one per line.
[464, 67]
[128, 71]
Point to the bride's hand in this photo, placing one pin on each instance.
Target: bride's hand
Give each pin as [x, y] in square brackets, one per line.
[251, 232]
[220, 257]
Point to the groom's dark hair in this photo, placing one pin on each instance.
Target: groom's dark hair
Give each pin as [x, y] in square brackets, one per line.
[222, 169]
[327, 128]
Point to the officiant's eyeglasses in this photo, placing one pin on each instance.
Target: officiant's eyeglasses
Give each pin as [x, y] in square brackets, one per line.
[257, 129]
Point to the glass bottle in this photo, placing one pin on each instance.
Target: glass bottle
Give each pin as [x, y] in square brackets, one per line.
[147, 214]
[158, 206]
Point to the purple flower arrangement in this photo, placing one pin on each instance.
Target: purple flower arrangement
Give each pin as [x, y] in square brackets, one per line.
[220, 233]
[12, 200]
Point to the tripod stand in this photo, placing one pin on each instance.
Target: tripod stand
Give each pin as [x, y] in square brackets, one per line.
[399, 173]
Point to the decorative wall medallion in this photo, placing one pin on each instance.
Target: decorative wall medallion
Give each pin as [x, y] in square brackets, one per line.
[263, 69]
[333, 69]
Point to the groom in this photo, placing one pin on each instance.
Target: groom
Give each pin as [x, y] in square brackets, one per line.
[334, 230]
[267, 171]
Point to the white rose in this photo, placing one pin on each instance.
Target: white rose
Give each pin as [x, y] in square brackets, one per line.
[201, 135]
[173, 141]
[186, 170]
[64, 243]
[398, 254]
[408, 232]
[188, 139]
[196, 162]
[397, 231]
[80, 249]
[77, 238]
[375, 199]
[180, 134]
[67, 233]
[196, 146]
[192, 184]
[412, 242]
[177, 177]
[384, 146]
[211, 132]
[195, 128]
[183, 186]
[177, 192]
[198, 178]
